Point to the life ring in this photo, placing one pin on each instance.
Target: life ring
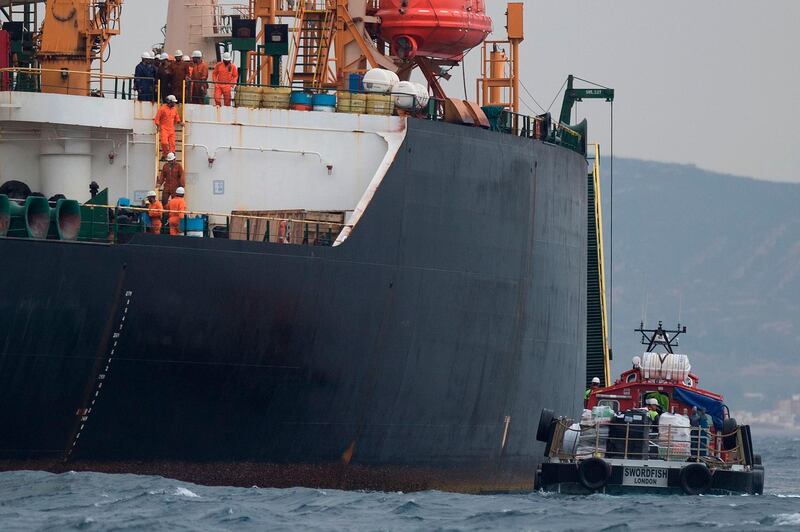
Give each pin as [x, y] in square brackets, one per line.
[544, 425]
[695, 479]
[593, 473]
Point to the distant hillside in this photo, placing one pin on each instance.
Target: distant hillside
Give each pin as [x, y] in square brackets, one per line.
[722, 253]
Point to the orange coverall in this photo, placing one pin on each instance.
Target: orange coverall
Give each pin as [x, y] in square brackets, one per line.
[177, 204]
[155, 210]
[172, 176]
[165, 120]
[180, 73]
[224, 76]
[199, 86]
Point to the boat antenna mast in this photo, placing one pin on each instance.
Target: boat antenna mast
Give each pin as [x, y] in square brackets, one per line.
[666, 338]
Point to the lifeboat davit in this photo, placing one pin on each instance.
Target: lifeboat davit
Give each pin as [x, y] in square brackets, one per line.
[443, 29]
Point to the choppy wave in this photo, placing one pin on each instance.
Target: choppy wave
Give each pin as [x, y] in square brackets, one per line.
[93, 501]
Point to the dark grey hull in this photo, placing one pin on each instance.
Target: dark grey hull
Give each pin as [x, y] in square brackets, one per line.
[428, 342]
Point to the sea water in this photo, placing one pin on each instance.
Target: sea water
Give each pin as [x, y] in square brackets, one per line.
[93, 501]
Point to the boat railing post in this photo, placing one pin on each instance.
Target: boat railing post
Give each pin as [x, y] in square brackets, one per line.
[596, 440]
[627, 434]
[669, 441]
[247, 224]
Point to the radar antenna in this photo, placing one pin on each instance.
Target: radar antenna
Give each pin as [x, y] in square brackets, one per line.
[664, 337]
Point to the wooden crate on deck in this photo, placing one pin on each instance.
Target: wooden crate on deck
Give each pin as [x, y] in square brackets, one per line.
[322, 227]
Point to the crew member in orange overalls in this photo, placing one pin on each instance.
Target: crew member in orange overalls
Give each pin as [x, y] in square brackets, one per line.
[171, 177]
[199, 75]
[165, 120]
[155, 210]
[225, 77]
[176, 209]
[180, 74]
[164, 76]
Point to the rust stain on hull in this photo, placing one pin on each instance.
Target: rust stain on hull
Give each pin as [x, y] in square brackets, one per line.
[324, 476]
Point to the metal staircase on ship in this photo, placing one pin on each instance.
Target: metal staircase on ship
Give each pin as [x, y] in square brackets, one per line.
[315, 25]
[598, 356]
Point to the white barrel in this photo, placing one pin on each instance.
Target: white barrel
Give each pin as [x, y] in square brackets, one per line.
[674, 436]
[379, 80]
[422, 95]
[665, 367]
[571, 435]
[405, 95]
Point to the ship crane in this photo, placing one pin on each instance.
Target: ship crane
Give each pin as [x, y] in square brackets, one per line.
[73, 41]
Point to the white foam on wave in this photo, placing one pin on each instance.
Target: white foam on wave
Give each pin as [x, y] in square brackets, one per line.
[183, 492]
[787, 519]
[788, 495]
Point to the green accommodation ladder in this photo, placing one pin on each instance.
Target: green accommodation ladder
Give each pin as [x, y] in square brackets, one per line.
[598, 350]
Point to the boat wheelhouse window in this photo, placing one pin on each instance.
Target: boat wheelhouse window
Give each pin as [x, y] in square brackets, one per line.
[631, 378]
[613, 403]
[663, 398]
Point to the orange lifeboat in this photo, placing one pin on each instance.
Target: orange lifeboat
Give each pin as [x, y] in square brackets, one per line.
[443, 29]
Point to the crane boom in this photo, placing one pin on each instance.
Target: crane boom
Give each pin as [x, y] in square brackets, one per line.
[572, 95]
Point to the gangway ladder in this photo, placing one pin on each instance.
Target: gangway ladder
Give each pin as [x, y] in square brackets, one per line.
[180, 137]
[598, 361]
[315, 25]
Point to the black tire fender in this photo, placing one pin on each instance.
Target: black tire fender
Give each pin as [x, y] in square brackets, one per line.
[728, 430]
[593, 473]
[695, 479]
[543, 431]
[757, 459]
[551, 431]
[758, 481]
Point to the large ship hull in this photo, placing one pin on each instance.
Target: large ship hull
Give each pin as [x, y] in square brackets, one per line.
[417, 354]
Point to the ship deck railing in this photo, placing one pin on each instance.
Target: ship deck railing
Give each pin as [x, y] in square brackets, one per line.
[648, 442]
[101, 223]
[501, 119]
[118, 224]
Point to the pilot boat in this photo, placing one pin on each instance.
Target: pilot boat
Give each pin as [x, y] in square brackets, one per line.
[654, 430]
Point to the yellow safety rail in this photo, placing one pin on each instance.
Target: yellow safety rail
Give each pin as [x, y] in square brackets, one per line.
[598, 220]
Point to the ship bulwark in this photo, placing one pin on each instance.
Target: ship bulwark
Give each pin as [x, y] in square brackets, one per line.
[415, 355]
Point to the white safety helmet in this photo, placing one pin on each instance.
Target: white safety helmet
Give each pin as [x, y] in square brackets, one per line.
[596, 380]
[179, 191]
[170, 156]
[145, 55]
[163, 56]
[178, 53]
[151, 194]
[652, 401]
[186, 58]
[226, 56]
[172, 98]
[197, 53]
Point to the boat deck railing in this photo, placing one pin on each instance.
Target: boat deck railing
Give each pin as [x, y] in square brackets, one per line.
[101, 85]
[644, 441]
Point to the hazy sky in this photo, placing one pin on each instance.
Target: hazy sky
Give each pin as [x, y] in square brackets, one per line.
[712, 83]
